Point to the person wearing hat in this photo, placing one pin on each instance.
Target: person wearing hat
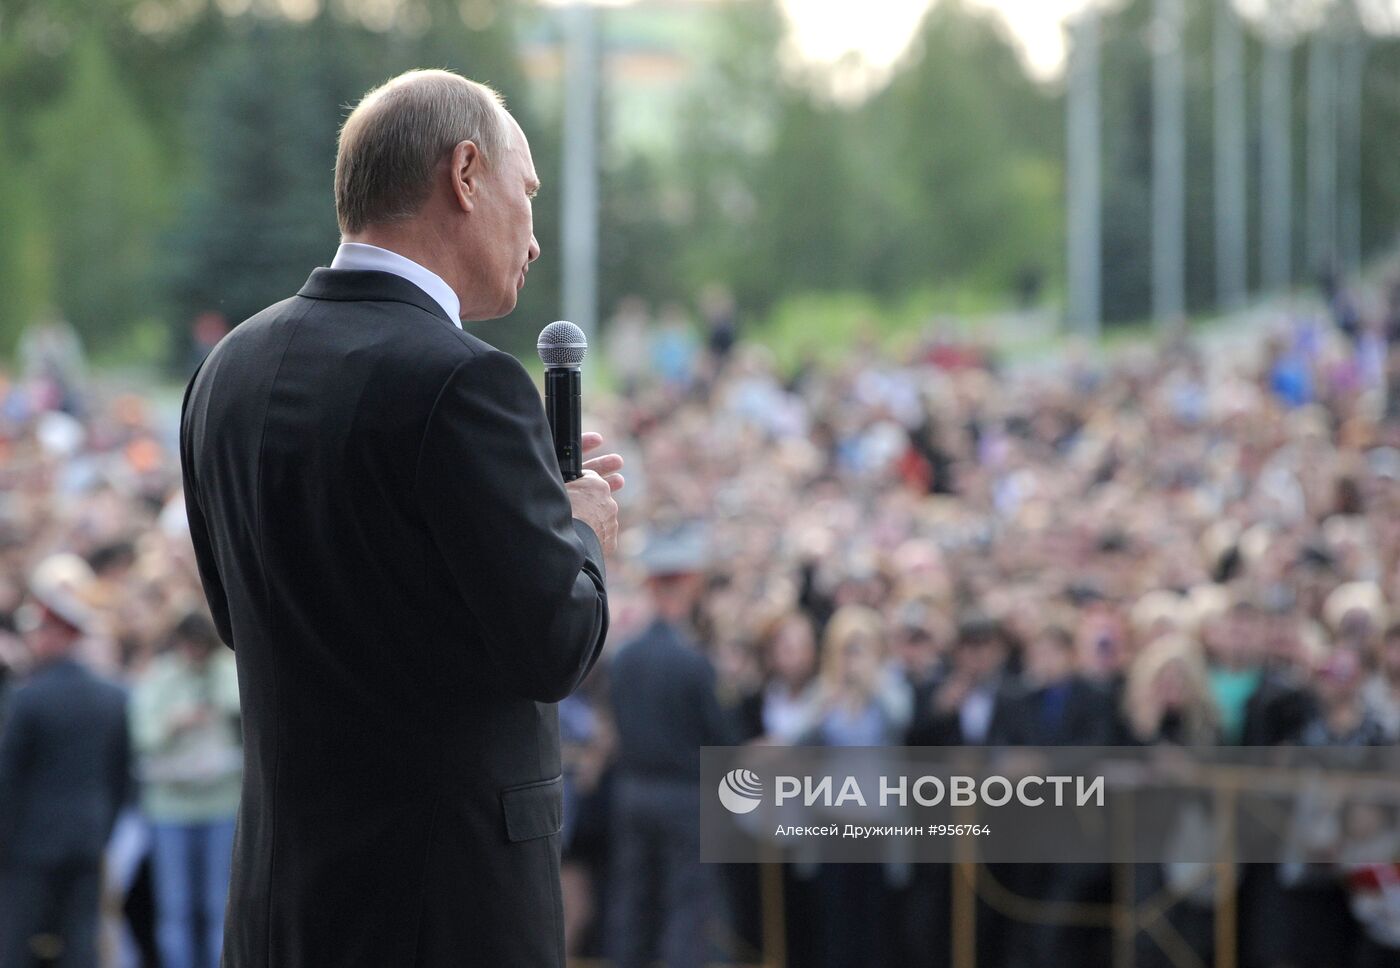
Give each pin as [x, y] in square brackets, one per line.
[64, 775]
[662, 690]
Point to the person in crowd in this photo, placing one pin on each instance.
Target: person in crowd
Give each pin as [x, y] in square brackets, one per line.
[626, 343]
[970, 703]
[52, 358]
[586, 747]
[185, 730]
[1314, 909]
[1381, 692]
[1168, 698]
[1236, 497]
[65, 771]
[779, 711]
[1233, 649]
[674, 351]
[664, 706]
[1057, 706]
[1371, 875]
[1168, 701]
[720, 314]
[1342, 716]
[1283, 703]
[921, 642]
[861, 698]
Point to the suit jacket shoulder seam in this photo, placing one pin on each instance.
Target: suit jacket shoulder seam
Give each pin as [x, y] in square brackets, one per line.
[476, 353]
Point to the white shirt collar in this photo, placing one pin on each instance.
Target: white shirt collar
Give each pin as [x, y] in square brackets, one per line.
[363, 256]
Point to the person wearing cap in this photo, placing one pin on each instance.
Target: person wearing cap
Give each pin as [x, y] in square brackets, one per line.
[662, 692]
[65, 764]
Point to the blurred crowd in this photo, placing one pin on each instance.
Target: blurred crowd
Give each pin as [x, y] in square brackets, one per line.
[1189, 542]
[120, 754]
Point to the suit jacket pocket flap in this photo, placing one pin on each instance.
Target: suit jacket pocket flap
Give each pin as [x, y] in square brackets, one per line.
[534, 809]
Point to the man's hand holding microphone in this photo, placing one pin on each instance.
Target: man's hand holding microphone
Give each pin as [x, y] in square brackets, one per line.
[592, 494]
[590, 483]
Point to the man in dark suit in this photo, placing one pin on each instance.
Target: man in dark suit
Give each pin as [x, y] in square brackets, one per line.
[385, 540]
[65, 766]
[662, 690]
[966, 704]
[1053, 705]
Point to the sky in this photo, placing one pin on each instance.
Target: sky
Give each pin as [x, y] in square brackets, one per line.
[824, 31]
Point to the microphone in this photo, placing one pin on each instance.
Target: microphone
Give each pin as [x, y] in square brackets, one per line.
[562, 347]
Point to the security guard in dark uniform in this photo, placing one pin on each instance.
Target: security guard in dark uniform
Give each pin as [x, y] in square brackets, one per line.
[662, 689]
[65, 770]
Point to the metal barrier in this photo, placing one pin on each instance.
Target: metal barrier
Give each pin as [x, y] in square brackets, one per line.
[1124, 916]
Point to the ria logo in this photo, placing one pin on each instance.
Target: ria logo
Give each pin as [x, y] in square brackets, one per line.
[740, 791]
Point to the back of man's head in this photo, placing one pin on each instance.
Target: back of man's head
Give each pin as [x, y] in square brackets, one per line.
[393, 141]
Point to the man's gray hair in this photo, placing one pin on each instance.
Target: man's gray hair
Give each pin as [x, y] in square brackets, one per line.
[393, 140]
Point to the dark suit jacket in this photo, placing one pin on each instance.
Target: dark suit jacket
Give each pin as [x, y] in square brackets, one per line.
[932, 727]
[662, 690]
[385, 540]
[65, 767]
[1278, 711]
[1086, 717]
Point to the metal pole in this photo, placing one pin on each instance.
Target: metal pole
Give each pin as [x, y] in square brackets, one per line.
[774, 922]
[1231, 258]
[1276, 166]
[1082, 177]
[963, 949]
[1322, 153]
[1352, 73]
[1168, 166]
[579, 183]
[1227, 897]
[1125, 925]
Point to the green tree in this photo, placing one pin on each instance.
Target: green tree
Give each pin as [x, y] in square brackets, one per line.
[1127, 184]
[950, 174]
[1380, 148]
[729, 123]
[25, 276]
[259, 212]
[961, 157]
[806, 227]
[99, 175]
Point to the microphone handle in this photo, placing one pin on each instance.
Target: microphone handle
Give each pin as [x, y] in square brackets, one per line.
[563, 405]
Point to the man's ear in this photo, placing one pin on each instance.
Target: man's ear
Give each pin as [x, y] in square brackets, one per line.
[467, 169]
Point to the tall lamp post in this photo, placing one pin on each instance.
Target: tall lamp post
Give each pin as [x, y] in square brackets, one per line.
[1231, 233]
[1168, 165]
[1083, 190]
[1276, 152]
[579, 182]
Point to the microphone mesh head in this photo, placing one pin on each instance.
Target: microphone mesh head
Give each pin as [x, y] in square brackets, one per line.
[562, 344]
